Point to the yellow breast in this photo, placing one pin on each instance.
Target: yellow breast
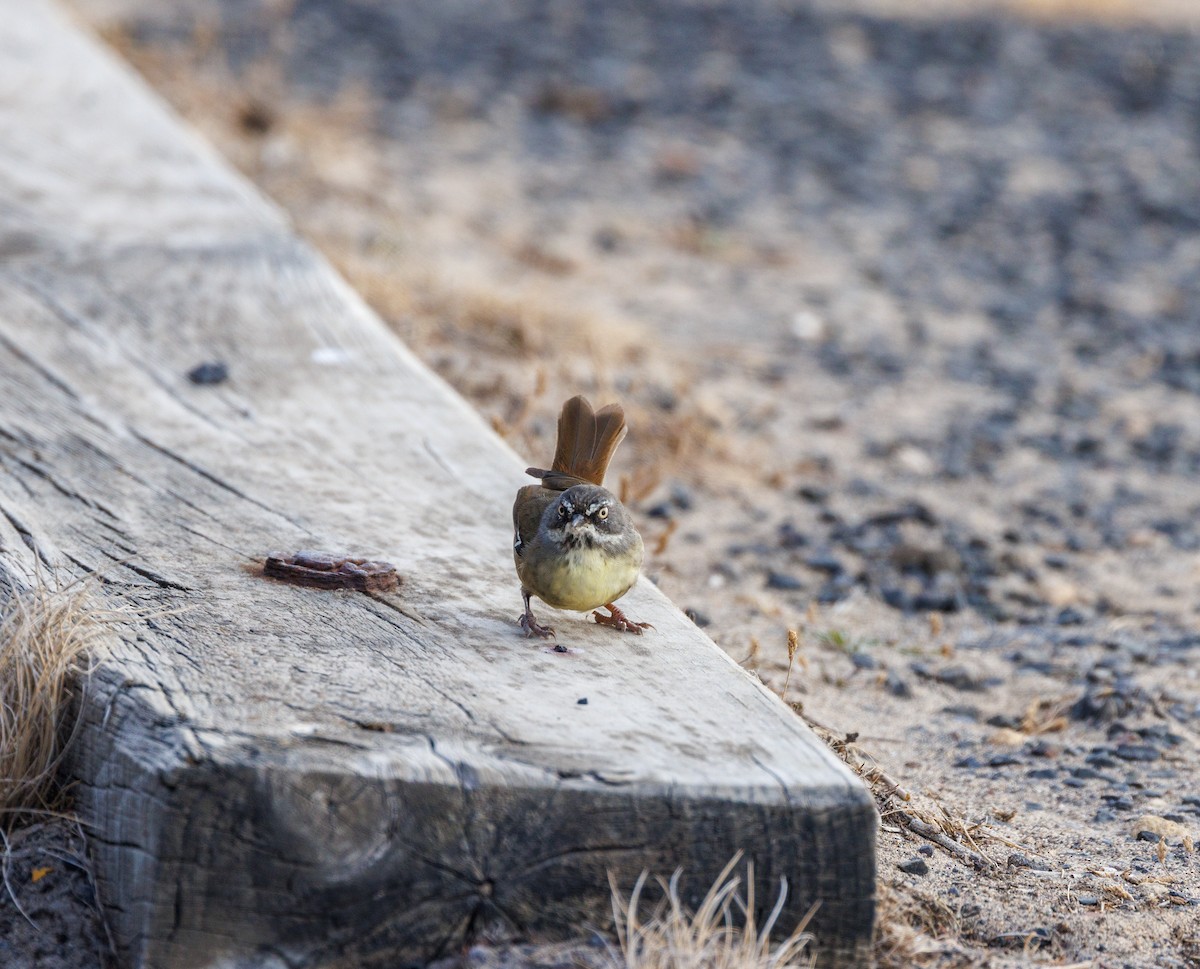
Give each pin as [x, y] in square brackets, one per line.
[581, 578]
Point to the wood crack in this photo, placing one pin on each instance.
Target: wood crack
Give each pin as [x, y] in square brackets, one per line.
[40, 369]
[26, 536]
[214, 479]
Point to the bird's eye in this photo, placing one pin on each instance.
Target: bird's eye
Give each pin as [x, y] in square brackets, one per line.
[602, 514]
[562, 511]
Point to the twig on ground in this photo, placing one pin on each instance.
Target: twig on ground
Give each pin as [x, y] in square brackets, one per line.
[8, 884]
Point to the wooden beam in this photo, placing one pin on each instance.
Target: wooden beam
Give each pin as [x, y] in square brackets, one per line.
[287, 776]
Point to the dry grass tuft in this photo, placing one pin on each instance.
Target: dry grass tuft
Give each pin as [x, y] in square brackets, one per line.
[46, 637]
[915, 929]
[721, 934]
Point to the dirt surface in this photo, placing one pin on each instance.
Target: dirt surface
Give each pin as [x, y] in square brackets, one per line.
[906, 315]
[48, 913]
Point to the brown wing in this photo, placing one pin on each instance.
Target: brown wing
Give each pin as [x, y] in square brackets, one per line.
[586, 442]
[527, 514]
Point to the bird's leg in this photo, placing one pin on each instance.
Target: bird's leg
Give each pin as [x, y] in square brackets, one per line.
[619, 621]
[531, 626]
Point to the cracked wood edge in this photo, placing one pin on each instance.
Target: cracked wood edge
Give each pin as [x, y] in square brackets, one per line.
[283, 776]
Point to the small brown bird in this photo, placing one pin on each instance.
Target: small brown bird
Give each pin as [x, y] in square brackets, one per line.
[575, 545]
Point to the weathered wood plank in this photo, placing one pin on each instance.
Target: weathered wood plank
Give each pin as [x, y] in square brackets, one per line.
[286, 776]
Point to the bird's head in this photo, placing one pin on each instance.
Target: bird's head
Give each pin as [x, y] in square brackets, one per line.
[584, 515]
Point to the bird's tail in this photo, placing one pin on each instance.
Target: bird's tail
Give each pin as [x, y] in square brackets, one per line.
[586, 442]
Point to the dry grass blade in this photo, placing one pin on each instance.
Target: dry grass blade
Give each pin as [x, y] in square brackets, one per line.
[916, 929]
[46, 636]
[723, 933]
[896, 804]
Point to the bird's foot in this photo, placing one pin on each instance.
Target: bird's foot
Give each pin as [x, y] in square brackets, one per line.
[534, 628]
[620, 622]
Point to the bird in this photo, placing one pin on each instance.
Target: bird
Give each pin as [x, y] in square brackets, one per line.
[574, 544]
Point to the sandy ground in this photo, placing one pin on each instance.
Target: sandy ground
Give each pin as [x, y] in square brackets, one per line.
[906, 315]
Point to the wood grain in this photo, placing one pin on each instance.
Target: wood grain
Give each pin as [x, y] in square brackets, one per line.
[286, 776]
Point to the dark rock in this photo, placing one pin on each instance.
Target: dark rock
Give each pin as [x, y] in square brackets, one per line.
[1005, 720]
[582, 701]
[824, 561]
[209, 373]
[781, 580]
[836, 589]
[1027, 939]
[701, 619]
[1104, 702]
[681, 497]
[1020, 860]
[864, 661]
[1070, 617]
[1042, 773]
[897, 686]
[914, 866]
[759, 549]
[1137, 752]
[960, 678]
[791, 537]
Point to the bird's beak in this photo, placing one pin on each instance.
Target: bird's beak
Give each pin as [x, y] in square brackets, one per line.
[577, 521]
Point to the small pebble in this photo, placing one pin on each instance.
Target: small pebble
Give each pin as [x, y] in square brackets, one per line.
[960, 678]
[1070, 617]
[582, 701]
[701, 619]
[824, 561]
[1137, 752]
[1020, 860]
[791, 537]
[1005, 720]
[914, 866]
[209, 373]
[781, 580]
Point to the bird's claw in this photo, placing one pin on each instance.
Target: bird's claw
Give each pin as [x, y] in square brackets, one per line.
[534, 628]
[620, 622]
